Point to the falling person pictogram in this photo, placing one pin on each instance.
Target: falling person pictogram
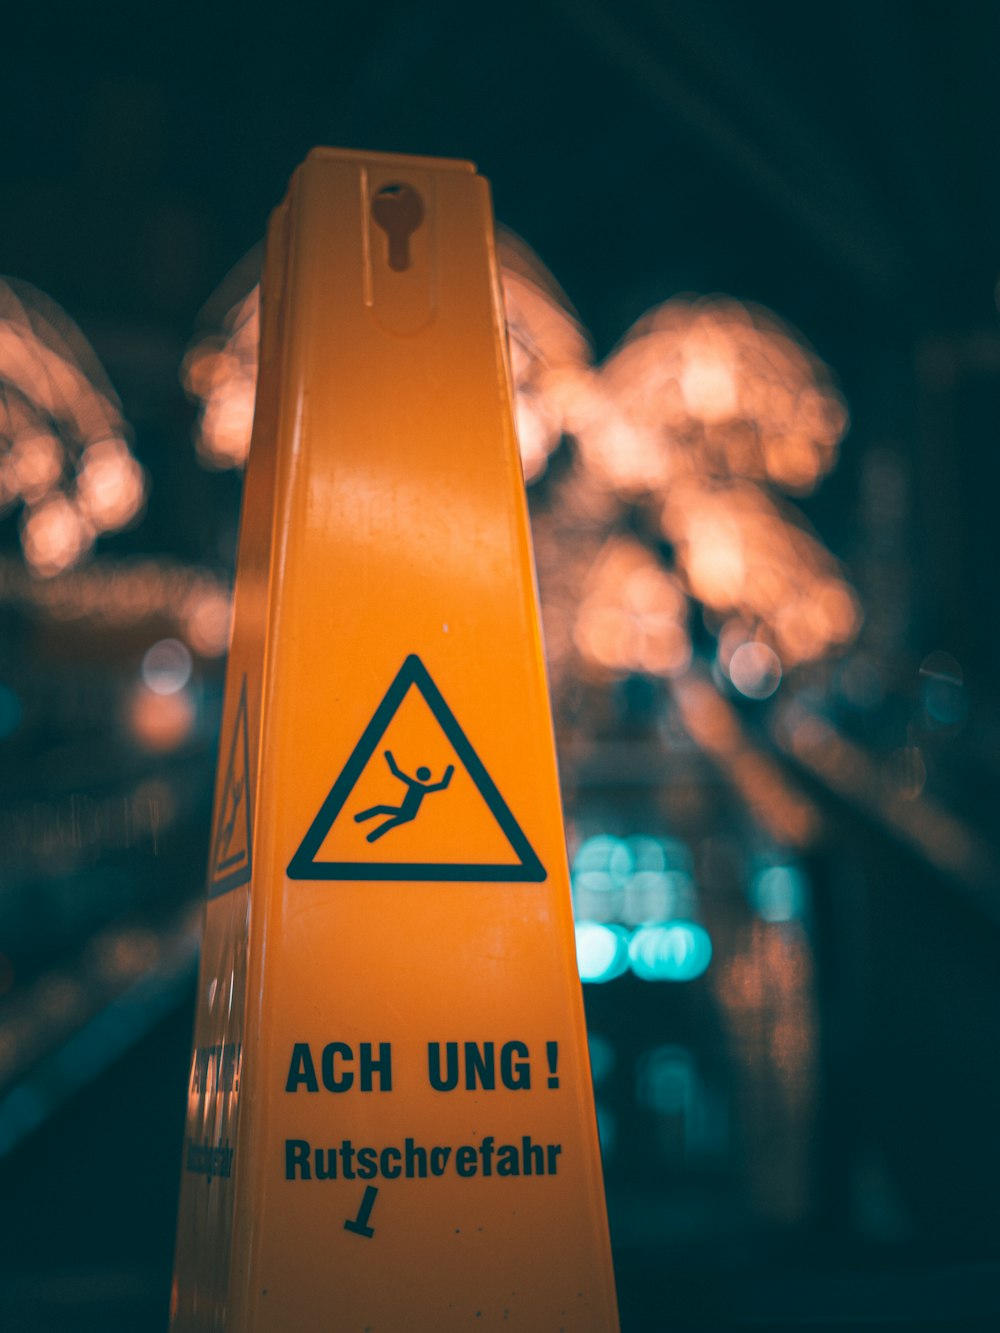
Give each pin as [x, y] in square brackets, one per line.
[416, 789]
[477, 861]
[228, 829]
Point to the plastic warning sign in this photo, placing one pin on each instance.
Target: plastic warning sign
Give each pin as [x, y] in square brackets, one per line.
[391, 1122]
[415, 801]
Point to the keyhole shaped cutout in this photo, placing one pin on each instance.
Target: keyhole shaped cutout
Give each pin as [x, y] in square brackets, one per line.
[399, 210]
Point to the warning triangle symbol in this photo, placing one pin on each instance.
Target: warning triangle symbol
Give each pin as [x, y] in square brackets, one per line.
[232, 847]
[414, 802]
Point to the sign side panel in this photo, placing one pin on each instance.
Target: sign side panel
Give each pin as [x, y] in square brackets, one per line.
[215, 1157]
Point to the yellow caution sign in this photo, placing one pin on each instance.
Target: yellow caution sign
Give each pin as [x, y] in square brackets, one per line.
[391, 1124]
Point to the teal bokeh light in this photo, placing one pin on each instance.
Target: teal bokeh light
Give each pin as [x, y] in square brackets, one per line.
[604, 854]
[602, 952]
[673, 951]
[779, 893]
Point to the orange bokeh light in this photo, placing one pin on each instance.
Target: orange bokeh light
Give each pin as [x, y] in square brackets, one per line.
[160, 722]
[63, 452]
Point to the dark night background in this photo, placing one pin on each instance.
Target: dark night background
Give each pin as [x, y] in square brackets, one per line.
[837, 165]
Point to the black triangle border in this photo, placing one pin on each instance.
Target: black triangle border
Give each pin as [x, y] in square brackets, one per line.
[304, 865]
[217, 887]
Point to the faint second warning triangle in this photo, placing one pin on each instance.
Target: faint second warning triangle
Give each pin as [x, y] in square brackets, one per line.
[415, 802]
[232, 848]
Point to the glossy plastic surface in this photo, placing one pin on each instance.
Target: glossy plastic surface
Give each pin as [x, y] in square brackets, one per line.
[412, 1126]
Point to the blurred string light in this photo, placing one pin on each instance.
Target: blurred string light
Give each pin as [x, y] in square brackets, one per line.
[64, 452]
[779, 893]
[668, 951]
[166, 666]
[705, 406]
[633, 613]
[703, 410]
[634, 899]
[602, 952]
[194, 601]
[671, 951]
[160, 722]
[161, 711]
[549, 353]
[220, 372]
[753, 668]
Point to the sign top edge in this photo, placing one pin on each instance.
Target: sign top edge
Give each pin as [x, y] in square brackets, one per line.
[360, 157]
